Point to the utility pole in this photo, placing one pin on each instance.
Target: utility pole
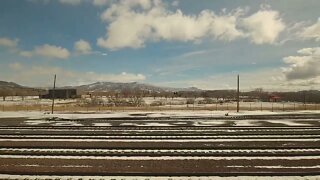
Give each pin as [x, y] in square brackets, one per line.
[53, 91]
[238, 94]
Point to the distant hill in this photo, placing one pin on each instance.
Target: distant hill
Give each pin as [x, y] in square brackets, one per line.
[14, 89]
[4, 84]
[119, 87]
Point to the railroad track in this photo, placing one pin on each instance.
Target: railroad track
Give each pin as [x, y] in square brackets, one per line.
[159, 150]
[161, 137]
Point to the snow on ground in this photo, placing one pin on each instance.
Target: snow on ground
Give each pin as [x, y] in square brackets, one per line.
[53, 123]
[245, 123]
[209, 123]
[33, 101]
[36, 122]
[288, 167]
[154, 124]
[145, 124]
[18, 114]
[102, 124]
[164, 102]
[153, 114]
[288, 123]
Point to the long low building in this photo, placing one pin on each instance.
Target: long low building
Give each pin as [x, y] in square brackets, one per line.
[61, 94]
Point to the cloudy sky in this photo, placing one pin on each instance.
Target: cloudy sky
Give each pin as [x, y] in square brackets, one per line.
[272, 44]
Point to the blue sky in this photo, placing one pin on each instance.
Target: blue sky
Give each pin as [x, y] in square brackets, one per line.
[272, 44]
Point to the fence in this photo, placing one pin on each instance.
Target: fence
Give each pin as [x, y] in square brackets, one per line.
[244, 106]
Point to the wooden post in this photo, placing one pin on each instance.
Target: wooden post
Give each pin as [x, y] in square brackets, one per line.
[54, 87]
[238, 95]
[193, 106]
[304, 100]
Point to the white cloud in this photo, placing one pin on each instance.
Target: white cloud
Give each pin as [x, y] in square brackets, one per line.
[42, 76]
[193, 53]
[39, 1]
[71, 2]
[46, 50]
[152, 21]
[9, 43]
[306, 66]
[264, 26]
[224, 27]
[311, 32]
[16, 66]
[82, 47]
[175, 3]
[27, 54]
[76, 2]
[310, 51]
[122, 77]
[309, 84]
[145, 4]
[155, 23]
[51, 51]
[100, 2]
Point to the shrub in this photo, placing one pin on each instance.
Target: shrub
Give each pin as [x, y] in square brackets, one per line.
[136, 101]
[190, 101]
[206, 101]
[132, 101]
[156, 103]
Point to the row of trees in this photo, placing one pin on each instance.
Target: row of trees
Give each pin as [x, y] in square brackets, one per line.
[311, 96]
[127, 93]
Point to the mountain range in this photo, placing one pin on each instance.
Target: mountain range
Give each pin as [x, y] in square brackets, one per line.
[118, 87]
[106, 86]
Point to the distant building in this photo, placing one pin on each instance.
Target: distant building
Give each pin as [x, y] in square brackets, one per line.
[61, 94]
[274, 98]
[249, 99]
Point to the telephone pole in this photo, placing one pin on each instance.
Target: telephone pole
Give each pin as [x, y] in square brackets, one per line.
[53, 91]
[238, 94]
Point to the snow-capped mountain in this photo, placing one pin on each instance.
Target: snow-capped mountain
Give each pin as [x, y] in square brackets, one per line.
[118, 87]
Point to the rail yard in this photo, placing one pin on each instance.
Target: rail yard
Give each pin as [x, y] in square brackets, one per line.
[252, 145]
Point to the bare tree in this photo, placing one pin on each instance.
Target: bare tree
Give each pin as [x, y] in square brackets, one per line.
[4, 93]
